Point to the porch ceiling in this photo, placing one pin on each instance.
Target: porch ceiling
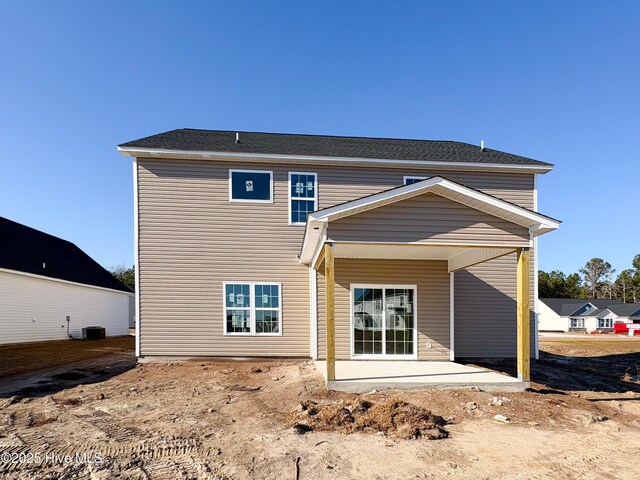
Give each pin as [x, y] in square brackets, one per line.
[458, 257]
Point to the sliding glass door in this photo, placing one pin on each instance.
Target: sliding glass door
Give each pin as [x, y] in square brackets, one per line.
[383, 321]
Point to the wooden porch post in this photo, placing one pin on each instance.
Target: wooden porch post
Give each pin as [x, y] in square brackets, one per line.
[524, 329]
[330, 311]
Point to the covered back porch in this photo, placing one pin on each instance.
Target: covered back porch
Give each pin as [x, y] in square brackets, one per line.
[382, 275]
[362, 376]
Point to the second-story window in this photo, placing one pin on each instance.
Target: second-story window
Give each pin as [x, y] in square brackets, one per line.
[303, 196]
[250, 186]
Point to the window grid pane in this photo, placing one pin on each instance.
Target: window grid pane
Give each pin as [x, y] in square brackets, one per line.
[391, 309]
[367, 321]
[267, 296]
[300, 209]
[238, 321]
[303, 186]
[302, 196]
[267, 321]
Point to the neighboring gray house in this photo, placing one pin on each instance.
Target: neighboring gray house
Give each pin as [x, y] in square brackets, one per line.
[49, 287]
[585, 315]
[260, 244]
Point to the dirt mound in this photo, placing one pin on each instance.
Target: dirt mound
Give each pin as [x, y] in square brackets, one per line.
[392, 417]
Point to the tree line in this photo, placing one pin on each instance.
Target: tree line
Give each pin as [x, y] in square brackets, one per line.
[595, 280]
[125, 275]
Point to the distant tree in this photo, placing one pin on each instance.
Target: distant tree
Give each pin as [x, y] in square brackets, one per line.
[596, 273]
[544, 287]
[625, 285]
[556, 285]
[573, 287]
[125, 275]
[635, 286]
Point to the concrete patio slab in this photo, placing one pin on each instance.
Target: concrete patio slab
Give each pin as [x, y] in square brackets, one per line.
[360, 376]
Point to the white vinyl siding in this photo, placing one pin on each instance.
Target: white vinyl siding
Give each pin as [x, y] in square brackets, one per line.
[34, 308]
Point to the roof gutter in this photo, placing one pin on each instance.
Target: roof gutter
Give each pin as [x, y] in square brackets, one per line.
[266, 157]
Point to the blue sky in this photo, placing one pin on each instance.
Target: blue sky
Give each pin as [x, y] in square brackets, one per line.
[555, 81]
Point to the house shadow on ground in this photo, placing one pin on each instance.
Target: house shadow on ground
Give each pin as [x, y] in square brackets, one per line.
[617, 373]
[53, 380]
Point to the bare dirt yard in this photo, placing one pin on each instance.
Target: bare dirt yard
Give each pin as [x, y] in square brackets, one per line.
[274, 419]
[28, 357]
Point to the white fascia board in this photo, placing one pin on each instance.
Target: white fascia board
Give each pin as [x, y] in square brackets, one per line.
[313, 241]
[167, 153]
[136, 253]
[593, 307]
[68, 282]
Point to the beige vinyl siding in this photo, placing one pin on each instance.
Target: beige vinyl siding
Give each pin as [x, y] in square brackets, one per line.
[432, 281]
[428, 218]
[191, 239]
[485, 310]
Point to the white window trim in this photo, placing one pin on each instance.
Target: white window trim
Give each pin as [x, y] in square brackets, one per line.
[407, 177]
[291, 197]
[242, 200]
[252, 309]
[578, 320]
[608, 320]
[385, 356]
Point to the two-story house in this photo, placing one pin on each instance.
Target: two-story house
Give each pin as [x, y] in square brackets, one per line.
[335, 248]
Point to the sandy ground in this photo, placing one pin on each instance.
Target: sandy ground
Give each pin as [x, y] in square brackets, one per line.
[224, 419]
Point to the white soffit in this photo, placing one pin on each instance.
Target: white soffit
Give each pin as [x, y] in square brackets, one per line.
[457, 257]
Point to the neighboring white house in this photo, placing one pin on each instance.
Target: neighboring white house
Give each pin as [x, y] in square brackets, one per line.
[48, 286]
[584, 315]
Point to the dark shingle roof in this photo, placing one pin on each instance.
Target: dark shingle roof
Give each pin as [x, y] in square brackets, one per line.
[328, 146]
[25, 249]
[625, 309]
[566, 306]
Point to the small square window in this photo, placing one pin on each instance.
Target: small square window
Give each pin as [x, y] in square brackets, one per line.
[250, 186]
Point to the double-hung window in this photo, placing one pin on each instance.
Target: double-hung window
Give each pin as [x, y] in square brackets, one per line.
[408, 180]
[577, 323]
[251, 186]
[605, 323]
[303, 196]
[252, 308]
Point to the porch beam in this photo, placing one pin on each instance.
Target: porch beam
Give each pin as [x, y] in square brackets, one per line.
[330, 313]
[524, 329]
[319, 260]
